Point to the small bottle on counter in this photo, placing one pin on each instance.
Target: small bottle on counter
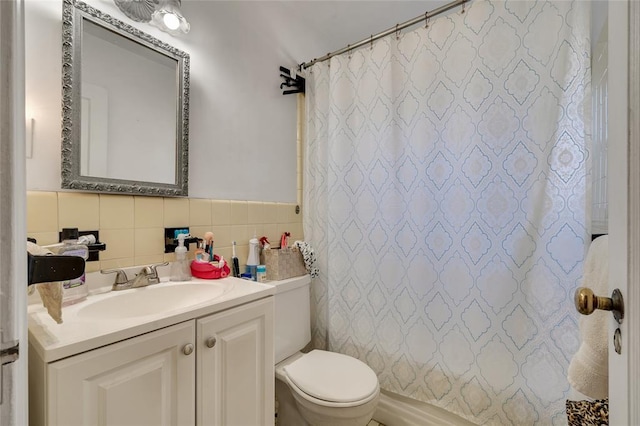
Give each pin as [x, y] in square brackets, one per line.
[261, 273]
[254, 258]
[76, 290]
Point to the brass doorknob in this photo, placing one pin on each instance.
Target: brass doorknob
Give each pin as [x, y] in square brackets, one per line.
[586, 303]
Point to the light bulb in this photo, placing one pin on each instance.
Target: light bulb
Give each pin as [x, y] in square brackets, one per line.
[171, 21]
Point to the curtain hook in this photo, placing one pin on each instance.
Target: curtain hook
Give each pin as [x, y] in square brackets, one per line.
[397, 32]
[349, 50]
[371, 43]
[426, 19]
[464, 3]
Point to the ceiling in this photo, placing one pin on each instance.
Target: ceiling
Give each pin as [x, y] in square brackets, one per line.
[346, 22]
[327, 26]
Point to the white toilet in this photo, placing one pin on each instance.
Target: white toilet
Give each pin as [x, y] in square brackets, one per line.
[318, 388]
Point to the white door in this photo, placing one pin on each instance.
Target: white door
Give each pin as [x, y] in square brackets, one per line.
[13, 277]
[624, 209]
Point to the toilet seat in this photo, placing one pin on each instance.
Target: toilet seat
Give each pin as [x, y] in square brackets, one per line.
[332, 379]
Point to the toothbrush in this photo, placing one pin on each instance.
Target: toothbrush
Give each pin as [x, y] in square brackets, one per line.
[234, 260]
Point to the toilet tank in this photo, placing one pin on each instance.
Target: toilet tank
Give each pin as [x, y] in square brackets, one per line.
[292, 315]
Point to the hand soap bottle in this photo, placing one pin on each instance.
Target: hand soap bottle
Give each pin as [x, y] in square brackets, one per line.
[180, 270]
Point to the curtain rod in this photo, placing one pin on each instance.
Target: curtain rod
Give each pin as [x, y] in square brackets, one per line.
[392, 30]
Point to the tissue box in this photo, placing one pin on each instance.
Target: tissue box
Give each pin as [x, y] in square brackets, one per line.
[283, 263]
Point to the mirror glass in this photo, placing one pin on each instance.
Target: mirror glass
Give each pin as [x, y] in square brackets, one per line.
[125, 107]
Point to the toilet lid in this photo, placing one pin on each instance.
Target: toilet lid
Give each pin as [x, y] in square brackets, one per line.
[333, 377]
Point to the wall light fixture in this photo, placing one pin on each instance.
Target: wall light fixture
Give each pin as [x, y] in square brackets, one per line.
[168, 17]
[164, 14]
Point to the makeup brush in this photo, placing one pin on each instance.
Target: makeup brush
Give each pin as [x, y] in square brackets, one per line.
[208, 237]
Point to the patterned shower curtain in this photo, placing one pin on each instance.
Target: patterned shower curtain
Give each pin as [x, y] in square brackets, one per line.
[445, 194]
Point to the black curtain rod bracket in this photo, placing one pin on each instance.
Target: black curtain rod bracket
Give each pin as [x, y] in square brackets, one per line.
[295, 82]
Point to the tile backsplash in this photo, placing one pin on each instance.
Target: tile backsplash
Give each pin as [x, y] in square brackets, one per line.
[132, 227]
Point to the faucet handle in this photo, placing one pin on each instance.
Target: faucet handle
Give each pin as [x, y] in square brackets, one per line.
[121, 276]
[152, 271]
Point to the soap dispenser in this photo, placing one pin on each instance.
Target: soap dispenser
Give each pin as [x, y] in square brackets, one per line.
[180, 267]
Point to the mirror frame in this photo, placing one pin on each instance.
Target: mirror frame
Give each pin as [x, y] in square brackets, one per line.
[73, 13]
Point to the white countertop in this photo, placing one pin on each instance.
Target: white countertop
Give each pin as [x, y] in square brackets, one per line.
[75, 335]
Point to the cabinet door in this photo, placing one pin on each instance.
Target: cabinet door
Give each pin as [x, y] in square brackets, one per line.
[235, 384]
[146, 380]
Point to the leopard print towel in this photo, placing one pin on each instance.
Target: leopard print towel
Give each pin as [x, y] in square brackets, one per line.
[588, 413]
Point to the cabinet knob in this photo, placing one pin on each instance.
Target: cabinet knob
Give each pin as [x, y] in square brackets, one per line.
[211, 342]
[187, 349]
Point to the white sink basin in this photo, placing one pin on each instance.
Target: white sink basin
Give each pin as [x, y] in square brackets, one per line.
[152, 300]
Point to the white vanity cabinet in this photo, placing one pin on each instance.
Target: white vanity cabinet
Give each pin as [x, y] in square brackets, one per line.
[212, 370]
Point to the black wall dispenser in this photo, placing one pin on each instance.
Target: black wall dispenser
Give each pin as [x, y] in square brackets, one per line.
[171, 240]
[94, 249]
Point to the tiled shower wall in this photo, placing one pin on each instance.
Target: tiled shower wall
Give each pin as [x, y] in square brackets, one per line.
[133, 226]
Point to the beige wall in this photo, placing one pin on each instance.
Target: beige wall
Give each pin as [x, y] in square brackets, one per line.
[241, 129]
[133, 226]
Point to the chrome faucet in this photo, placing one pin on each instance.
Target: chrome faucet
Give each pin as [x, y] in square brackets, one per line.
[148, 275]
